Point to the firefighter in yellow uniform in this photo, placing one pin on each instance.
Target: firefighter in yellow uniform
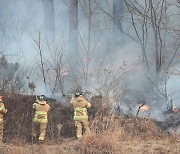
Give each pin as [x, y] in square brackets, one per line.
[80, 105]
[2, 112]
[40, 118]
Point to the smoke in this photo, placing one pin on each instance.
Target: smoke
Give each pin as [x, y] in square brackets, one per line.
[111, 63]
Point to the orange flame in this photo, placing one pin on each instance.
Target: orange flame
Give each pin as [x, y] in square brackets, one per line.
[143, 107]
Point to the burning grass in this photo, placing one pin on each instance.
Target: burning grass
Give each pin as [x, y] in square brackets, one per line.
[110, 134]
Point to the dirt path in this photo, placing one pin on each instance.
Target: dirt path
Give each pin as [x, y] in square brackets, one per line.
[150, 147]
[38, 149]
[70, 147]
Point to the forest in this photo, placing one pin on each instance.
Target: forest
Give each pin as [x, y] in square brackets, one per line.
[124, 55]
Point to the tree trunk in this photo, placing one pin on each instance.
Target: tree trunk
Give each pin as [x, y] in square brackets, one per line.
[74, 56]
[118, 9]
[49, 18]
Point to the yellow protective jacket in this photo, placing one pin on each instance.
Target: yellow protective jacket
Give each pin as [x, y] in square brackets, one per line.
[80, 105]
[41, 112]
[2, 111]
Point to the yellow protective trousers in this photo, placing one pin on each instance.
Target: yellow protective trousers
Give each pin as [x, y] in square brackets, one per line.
[39, 128]
[1, 132]
[80, 126]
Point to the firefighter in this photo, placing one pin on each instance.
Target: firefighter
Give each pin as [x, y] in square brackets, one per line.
[40, 119]
[80, 105]
[2, 112]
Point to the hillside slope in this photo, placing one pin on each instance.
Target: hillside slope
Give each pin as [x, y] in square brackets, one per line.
[110, 134]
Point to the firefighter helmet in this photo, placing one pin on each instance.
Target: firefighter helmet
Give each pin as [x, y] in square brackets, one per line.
[77, 94]
[41, 98]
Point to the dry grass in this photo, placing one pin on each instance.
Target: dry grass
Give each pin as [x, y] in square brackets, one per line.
[128, 127]
[96, 143]
[110, 134]
[123, 134]
[18, 120]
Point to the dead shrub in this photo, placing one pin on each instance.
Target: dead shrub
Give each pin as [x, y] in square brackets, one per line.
[97, 144]
[127, 127]
[18, 120]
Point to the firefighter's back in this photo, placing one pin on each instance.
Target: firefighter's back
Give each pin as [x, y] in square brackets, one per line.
[42, 107]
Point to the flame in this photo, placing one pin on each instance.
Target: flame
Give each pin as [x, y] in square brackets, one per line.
[63, 72]
[143, 107]
[175, 109]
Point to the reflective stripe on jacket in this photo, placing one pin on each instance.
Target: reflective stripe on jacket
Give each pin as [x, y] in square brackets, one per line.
[2, 111]
[2, 108]
[40, 116]
[80, 113]
[80, 105]
[41, 112]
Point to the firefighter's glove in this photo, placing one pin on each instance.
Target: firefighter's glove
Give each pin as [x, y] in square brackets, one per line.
[34, 105]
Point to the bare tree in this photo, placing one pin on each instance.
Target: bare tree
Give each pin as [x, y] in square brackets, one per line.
[150, 22]
[38, 43]
[13, 76]
[155, 34]
[87, 46]
[57, 71]
[73, 34]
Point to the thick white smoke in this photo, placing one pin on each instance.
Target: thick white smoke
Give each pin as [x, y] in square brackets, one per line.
[103, 50]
